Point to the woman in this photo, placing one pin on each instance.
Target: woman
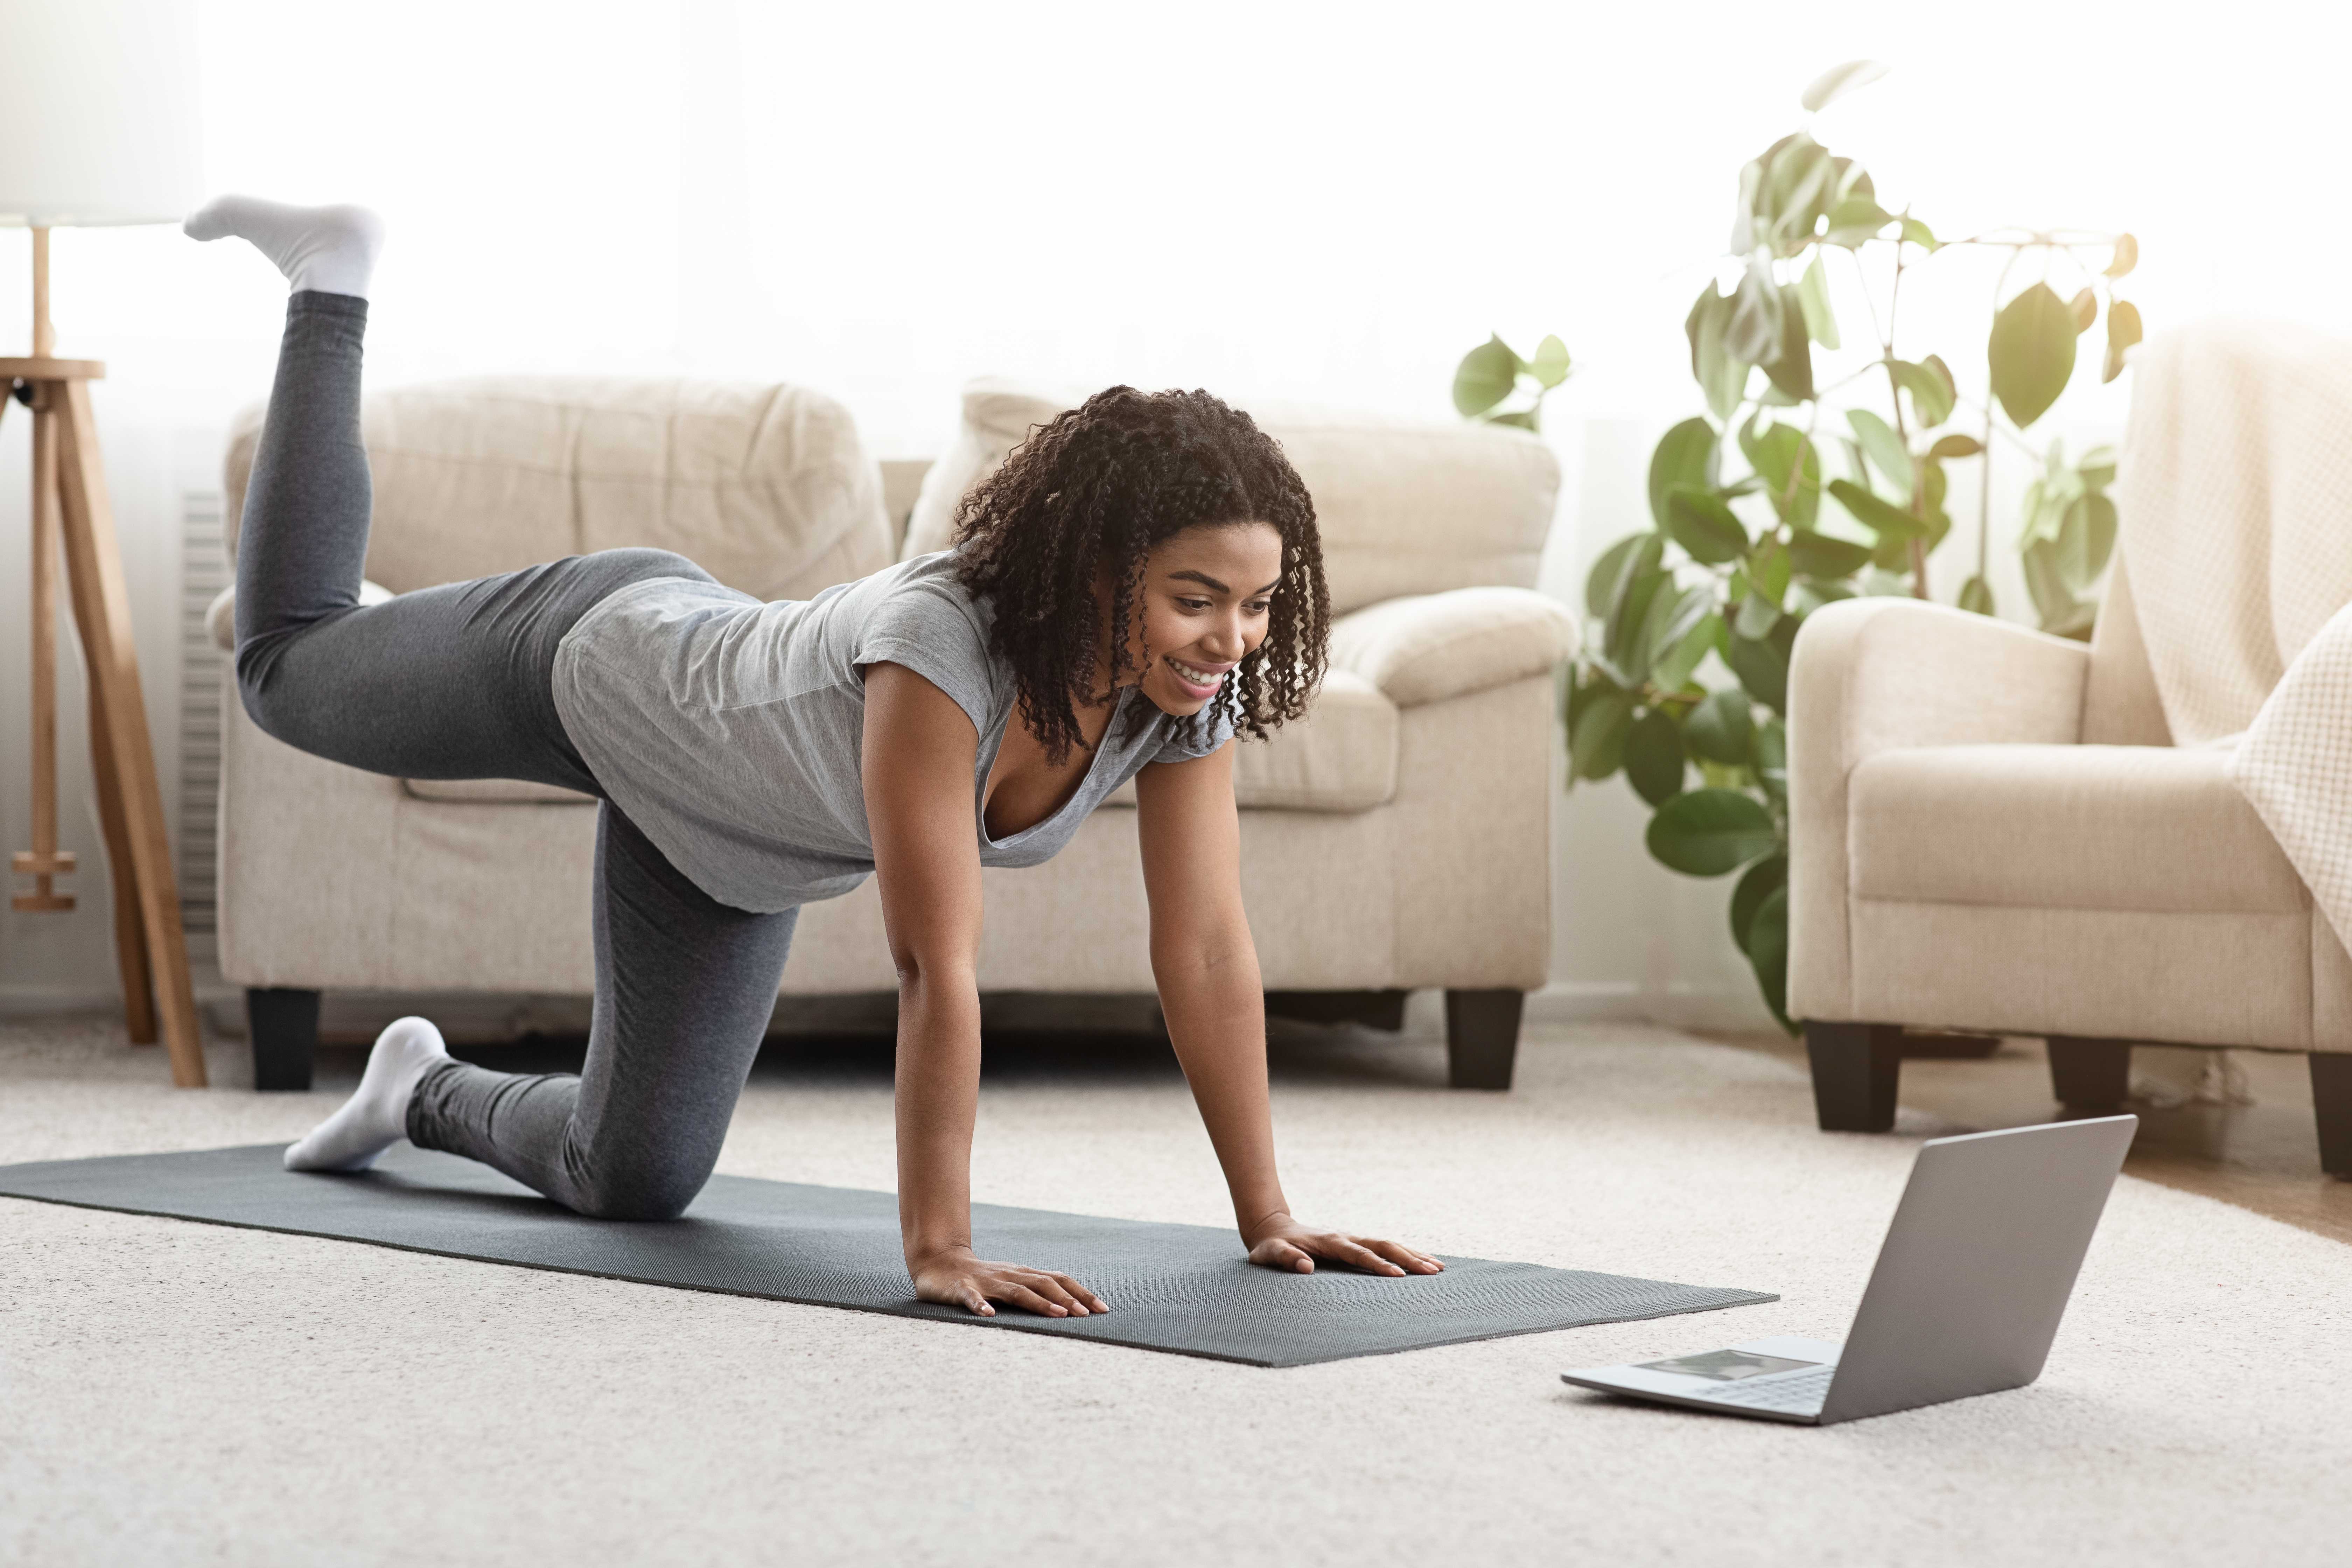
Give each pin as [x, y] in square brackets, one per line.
[1140, 581]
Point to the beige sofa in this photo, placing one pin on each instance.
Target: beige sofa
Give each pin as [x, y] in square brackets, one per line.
[1396, 839]
[1990, 829]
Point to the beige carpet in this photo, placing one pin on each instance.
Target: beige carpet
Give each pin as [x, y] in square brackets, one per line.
[175, 1392]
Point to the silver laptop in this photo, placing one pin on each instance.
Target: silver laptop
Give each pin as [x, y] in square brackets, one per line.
[1966, 1299]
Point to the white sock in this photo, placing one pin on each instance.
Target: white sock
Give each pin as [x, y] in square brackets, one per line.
[376, 1118]
[329, 249]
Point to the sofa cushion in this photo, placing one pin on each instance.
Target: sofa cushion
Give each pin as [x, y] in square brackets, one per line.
[2087, 827]
[1404, 507]
[765, 487]
[1429, 647]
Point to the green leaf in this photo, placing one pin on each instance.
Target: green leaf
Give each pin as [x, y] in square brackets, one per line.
[1813, 298]
[1653, 757]
[1855, 221]
[1549, 367]
[1671, 671]
[1683, 622]
[1932, 394]
[1763, 666]
[1596, 744]
[1838, 80]
[1885, 449]
[1807, 597]
[1685, 455]
[2087, 539]
[1819, 555]
[1891, 521]
[1758, 883]
[1487, 375]
[1768, 954]
[1721, 375]
[1607, 579]
[1757, 617]
[2085, 306]
[1771, 451]
[1721, 729]
[2123, 331]
[1953, 447]
[1522, 419]
[1920, 235]
[1753, 334]
[1652, 636]
[1710, 831]
[2032, 354]
[2125, 257]
[1772, 758]
[2053, 602]
[1791, 368]
[1699, 521]
[1622, 630]
[1976, 596]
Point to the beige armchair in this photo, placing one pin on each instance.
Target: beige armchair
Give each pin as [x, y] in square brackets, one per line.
[1990, 829]
[1396, 839]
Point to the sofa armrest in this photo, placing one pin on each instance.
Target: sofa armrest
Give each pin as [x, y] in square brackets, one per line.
[220, 616]
[1426, 647]
[1872, 675]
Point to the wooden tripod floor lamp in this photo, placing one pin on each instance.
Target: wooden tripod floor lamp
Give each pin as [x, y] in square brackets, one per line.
[98, 126]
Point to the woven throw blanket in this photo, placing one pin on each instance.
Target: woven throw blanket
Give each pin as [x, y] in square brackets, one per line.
[2236, 506]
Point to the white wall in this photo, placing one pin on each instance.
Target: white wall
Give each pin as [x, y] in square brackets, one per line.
[1324, 201]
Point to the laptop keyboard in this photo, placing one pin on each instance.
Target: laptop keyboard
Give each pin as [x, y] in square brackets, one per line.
[1799, 1392]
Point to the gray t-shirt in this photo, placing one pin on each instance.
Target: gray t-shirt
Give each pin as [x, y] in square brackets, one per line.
[729, 730]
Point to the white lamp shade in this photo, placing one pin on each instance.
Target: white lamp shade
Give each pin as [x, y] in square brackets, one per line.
[99, 120]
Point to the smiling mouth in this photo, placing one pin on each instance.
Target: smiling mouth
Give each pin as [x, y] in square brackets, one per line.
[1197, 678]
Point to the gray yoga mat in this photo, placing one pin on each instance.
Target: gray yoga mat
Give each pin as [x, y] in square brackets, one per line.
[1185, 1288]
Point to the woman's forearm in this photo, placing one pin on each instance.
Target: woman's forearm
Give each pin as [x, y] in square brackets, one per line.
[938, 1098]
[1215, 1007]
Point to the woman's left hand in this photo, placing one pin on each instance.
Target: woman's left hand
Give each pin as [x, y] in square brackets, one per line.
[1281, 1241]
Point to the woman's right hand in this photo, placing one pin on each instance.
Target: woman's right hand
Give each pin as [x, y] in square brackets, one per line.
[957, 1279]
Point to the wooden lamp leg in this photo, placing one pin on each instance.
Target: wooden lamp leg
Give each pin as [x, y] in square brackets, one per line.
[129, 926]
[102, 610]
[44, 860]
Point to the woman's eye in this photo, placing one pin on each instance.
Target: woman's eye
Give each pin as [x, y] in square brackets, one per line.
[1196, 606]
[1259, 606]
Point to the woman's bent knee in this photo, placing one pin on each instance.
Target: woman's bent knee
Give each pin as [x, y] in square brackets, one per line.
[638, 1195]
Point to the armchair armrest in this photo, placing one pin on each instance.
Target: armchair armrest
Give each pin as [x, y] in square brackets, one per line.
[1871, 675]
[220, 616]
[1426, 647]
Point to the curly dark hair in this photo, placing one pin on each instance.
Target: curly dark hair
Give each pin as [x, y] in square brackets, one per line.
[1085, 498]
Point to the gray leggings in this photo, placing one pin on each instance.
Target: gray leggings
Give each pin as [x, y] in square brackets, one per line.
[454, 683]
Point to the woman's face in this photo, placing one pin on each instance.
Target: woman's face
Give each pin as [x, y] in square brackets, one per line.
[1206, 595]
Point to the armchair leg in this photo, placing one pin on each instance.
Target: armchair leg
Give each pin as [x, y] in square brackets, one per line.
[1481, 1036]
[2090, 1076]
[284, 1027]
[2331, 1103]
[1856, 1067]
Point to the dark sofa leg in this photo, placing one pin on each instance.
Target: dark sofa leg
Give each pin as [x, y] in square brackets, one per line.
[1856, 1067]
[1481, 1036]
[2331, 1105]
[2090, 1076]
[284, 1027]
